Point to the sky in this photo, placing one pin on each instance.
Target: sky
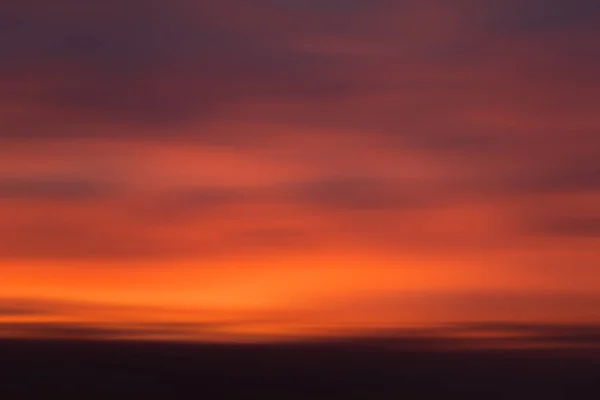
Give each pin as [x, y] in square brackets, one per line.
[240, 170]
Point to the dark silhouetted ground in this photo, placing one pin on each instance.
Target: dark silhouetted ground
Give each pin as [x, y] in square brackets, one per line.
[136, 370]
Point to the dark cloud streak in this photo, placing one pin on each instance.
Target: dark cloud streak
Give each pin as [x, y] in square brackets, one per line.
[54, 188]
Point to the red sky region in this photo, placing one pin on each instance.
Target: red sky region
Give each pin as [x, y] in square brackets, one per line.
[287, 169]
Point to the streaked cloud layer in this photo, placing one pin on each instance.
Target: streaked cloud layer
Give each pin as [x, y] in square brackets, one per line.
[271, 157]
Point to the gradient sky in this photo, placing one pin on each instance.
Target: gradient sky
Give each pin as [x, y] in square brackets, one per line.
[235, 169]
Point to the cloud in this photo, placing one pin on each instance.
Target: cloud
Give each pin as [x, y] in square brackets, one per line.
[570, 226]
[63, 240]
[52, 330]
[251, 127]
[19, 309]
[354, 193]
[460, 319]
[81, 320]
[205, 221]
[581, 174]
[486, 335]
[549, 334]
[533, 16]
[45, 188]
[477, 307]
[333, 194]
[164, 64]
[32, 307]
[112, 331]
[137, 63]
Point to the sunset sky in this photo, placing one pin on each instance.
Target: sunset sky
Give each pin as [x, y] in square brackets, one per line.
[272, 169]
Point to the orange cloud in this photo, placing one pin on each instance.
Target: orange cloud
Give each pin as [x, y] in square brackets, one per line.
[297, 169]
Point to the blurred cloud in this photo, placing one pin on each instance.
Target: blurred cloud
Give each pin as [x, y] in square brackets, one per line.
[134, 132]
[53, 188]
[82, 320]
[571, 226]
